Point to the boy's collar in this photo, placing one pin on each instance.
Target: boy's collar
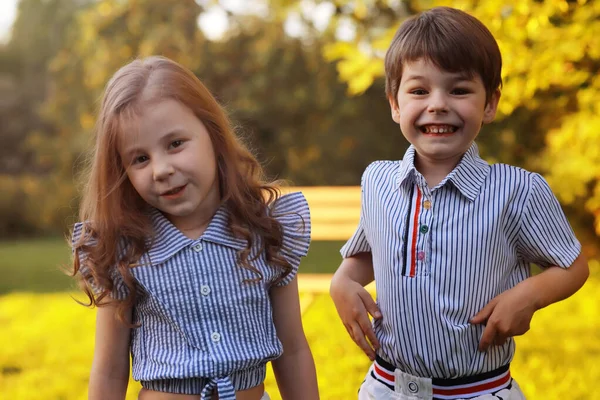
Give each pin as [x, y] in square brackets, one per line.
[168, 240]
[467, 176]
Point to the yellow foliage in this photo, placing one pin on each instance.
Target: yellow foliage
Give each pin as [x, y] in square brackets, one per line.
[551, 46]
[49, 342]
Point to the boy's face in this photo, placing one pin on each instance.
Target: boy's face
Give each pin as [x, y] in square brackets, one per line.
[441, 112]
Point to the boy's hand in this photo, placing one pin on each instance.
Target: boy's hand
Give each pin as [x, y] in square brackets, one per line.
[352, 302]
[506, 315]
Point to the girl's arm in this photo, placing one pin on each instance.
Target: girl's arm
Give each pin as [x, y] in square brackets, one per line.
[295, 369]
[110, 369]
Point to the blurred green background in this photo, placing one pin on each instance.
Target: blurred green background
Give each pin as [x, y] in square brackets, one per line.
[302, 80]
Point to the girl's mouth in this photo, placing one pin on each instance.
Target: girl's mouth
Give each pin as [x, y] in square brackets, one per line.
[173, 193]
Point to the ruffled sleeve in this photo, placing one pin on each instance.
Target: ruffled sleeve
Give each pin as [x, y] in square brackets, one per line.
[120, 290]
[292, 212]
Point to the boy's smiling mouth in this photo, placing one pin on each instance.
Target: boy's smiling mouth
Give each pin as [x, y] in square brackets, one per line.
[438, 129]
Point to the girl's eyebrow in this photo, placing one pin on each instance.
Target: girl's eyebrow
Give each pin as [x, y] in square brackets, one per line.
[166, 138]
[130, 153]
[172, 134]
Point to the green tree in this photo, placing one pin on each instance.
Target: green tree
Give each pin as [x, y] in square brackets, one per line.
[37, 34]
[104, 37]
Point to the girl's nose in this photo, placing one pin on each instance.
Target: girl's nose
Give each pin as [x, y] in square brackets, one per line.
[162, 169]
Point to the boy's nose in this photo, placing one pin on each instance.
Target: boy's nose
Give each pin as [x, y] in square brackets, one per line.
[437, 104]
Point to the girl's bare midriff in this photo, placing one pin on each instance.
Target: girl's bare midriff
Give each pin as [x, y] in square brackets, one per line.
[255, 393]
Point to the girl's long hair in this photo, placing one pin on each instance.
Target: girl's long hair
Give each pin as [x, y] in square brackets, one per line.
[117, 226]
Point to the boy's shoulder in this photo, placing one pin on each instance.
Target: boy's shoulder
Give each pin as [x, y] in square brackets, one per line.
[512, 175]
[381, 168]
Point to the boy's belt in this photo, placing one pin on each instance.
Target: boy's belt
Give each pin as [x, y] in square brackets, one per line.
[447, 389]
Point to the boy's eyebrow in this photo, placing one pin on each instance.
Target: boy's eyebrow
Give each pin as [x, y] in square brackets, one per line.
[414, 78]
[459, 77]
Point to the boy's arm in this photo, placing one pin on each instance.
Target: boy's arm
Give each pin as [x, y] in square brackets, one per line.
[110, 368]
[353, 301]
[510, 313]
[295, 369]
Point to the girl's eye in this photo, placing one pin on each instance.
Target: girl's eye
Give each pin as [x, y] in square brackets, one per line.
[140, 159]
[176, 143]
[418, 92]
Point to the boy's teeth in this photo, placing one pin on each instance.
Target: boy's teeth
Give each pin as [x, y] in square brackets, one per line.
[439, 129]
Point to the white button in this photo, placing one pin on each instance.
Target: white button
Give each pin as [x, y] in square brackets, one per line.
[215, 337]
[413, 387]
[205, 290]
[198, 247]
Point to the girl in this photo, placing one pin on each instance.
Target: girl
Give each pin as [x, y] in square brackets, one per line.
[189, 255]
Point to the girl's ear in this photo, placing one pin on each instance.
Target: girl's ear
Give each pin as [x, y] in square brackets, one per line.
[395, 110]
[491, 107]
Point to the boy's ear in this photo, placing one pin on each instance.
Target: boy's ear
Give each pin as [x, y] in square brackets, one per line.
[395, 110]
[491, 107]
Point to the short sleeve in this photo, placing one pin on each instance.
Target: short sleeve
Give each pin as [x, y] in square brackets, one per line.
[545, 237]
[292, 212]
[358, 241]
[120, 290]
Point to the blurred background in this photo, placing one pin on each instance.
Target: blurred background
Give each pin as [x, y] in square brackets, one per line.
[303, 82]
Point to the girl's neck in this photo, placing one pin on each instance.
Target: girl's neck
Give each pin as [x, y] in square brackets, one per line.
[194, 224]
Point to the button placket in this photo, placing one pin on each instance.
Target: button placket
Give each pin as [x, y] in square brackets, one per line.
[197, 247]
[424, 229]
[205, 290]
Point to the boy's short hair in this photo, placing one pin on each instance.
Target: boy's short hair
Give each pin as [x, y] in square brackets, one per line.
[453, 40]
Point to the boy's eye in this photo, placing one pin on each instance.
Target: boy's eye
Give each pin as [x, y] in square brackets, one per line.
[460, 91]
[419, 92]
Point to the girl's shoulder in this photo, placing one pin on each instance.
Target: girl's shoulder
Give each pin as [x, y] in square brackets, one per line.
[82, 235]
[292, 212]
[290, 203]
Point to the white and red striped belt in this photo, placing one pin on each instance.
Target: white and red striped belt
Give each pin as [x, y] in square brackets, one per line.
[448, 389]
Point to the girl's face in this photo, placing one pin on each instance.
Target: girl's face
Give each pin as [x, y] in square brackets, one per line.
[170, 161]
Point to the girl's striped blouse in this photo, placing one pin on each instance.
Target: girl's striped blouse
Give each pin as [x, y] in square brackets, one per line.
[441, 254]
[202, 327]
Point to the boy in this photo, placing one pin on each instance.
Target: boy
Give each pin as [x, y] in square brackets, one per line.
[448, 238]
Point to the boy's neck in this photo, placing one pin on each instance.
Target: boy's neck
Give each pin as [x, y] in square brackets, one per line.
[434, 171]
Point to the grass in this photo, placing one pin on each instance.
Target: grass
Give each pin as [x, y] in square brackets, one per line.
[35, 265]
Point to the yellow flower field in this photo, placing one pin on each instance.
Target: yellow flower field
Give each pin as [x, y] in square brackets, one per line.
[47, 341]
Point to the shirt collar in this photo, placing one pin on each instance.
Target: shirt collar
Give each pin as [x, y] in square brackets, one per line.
[468, 176]
[168, 240]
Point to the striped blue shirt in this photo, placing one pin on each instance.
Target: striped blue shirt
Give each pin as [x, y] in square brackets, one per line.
[201, 326]
[441, 254]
